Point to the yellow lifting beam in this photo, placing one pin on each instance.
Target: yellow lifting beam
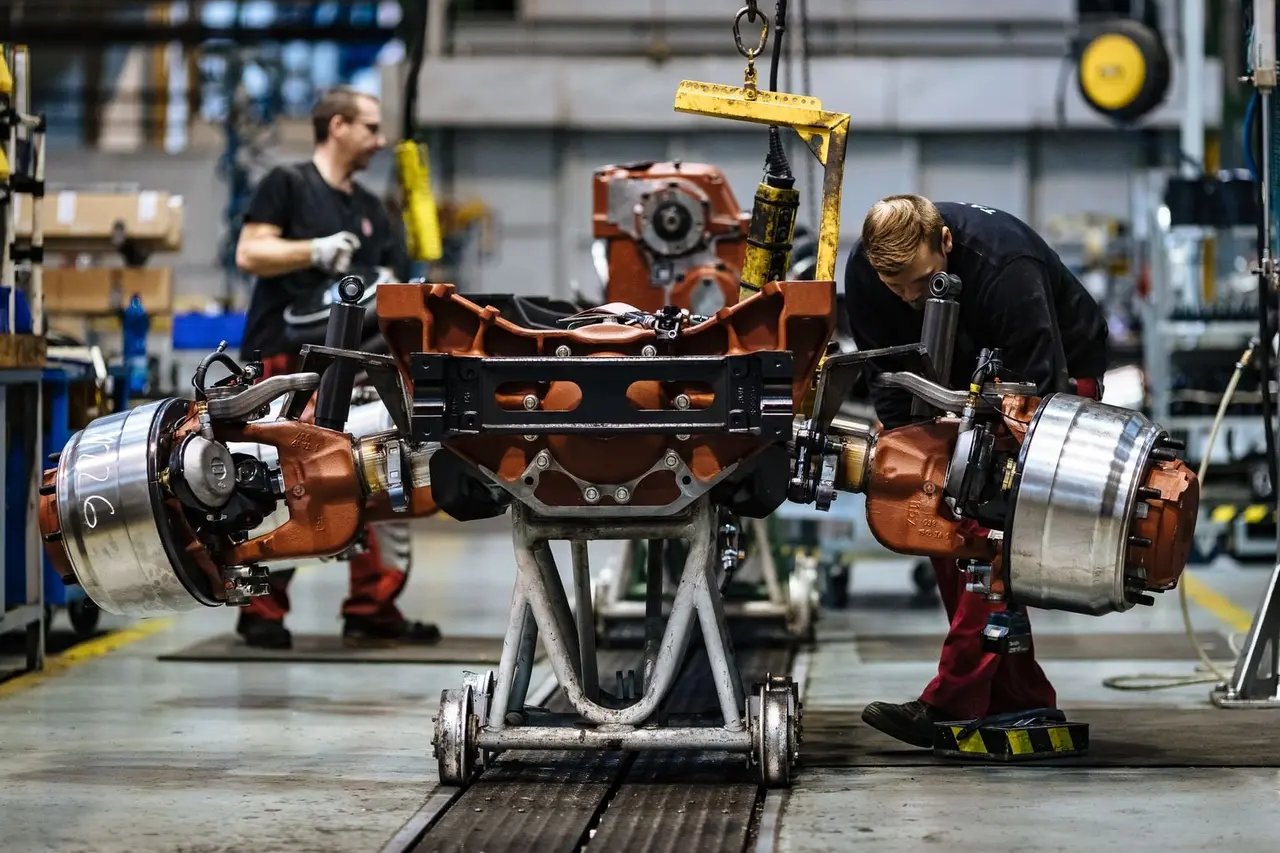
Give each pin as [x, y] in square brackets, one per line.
[825, 133]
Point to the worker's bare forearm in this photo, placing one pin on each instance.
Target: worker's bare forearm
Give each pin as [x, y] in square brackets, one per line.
[266, 256]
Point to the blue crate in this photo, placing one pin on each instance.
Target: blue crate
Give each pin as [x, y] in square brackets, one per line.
[205, 331]
[22, 309]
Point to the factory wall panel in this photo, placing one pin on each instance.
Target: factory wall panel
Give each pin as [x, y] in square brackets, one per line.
[1085, 174]
[541, 189]
[984, 169]
[845, 10]
[887, 93]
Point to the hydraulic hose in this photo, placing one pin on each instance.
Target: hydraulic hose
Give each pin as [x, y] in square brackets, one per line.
[1161, 681]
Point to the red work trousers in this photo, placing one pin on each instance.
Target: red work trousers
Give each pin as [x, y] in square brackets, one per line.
[973, 683]
[375, 583]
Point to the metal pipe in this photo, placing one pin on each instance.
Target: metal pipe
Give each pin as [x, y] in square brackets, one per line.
[724, 669]
[1192, 126]
[437, 20]
[653, 605]
[505, 681]
[586, 619]
[935, 394]
[557, 737]
[526, 655]
[564, 661]
[1267, 212]
[552, 589]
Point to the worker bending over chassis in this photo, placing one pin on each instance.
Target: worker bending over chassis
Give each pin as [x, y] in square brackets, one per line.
[307, 224]
[1018, 297]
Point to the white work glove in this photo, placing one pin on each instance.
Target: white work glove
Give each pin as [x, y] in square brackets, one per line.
[332, 254]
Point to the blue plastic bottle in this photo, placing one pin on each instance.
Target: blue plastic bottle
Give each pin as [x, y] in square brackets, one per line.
[136, 325]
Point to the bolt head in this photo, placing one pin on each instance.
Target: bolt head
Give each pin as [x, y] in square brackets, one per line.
[591, 494]
[530, 402]
[563, 351]
[622, 494]
[649, 351]
[543, 460]
[682, 436]
[672, 460]
[530, 437]
[299, 490]
[682, 401]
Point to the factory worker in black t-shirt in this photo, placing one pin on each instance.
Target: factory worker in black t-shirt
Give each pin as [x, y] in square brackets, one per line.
[307, 224]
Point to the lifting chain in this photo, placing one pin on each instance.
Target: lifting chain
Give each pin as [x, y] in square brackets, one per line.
[750, 12]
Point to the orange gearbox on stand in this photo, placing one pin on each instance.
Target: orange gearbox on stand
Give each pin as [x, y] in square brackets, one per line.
[671, 233]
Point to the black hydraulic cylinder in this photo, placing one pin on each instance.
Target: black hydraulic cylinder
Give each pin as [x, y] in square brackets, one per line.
[938, 332]
[346, 324]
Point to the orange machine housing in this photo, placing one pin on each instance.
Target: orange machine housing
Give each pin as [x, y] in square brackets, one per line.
[793, 316]
[674, 232]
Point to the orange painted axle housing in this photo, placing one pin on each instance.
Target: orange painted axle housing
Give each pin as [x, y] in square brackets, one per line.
[434, 318]
[327, 500]
[906, 471]
[716, 262]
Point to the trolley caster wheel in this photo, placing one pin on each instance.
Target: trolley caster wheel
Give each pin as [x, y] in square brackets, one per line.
[84, 615]
[481, 684]
[802, 599]
[454, 744]
[776, 730]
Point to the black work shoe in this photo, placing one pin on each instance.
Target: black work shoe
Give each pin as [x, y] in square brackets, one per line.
[264, 633]
[359, 631]
[911, 722]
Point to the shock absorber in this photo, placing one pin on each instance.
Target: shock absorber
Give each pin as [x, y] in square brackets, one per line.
[346, 321]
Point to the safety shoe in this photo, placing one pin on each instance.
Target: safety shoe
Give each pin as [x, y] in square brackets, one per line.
[262, 633]
[363, 632]
[911, 722]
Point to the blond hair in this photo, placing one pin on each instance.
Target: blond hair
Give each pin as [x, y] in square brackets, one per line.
[894, 229]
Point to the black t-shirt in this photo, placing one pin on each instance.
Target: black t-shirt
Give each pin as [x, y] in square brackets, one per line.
[1016, 295]
[298, 201]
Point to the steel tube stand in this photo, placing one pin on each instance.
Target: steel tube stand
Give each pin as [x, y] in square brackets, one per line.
[792, 605]
[488, 714]
[1256, 680]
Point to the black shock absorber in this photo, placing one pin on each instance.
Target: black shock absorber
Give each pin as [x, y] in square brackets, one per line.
[346, 324]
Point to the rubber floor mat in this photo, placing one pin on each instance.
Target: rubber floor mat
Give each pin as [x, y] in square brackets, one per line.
[329, 648]
[1118, 737]
[903, 648]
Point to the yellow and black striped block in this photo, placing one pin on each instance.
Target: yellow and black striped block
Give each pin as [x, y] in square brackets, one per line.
[1011, 743]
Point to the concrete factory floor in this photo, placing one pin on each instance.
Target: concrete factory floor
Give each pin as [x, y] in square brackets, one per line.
[123, 752]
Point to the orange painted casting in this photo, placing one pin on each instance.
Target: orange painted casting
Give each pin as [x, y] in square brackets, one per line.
[630, 275]
[795, 316]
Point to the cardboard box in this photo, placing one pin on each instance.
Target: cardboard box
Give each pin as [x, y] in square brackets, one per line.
[154, 285]
[105, 290]
[74, 291]
[22, 351]
[93, 217]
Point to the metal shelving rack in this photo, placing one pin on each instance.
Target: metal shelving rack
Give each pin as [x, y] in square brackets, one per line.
[1170, 333]
[22, 600]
